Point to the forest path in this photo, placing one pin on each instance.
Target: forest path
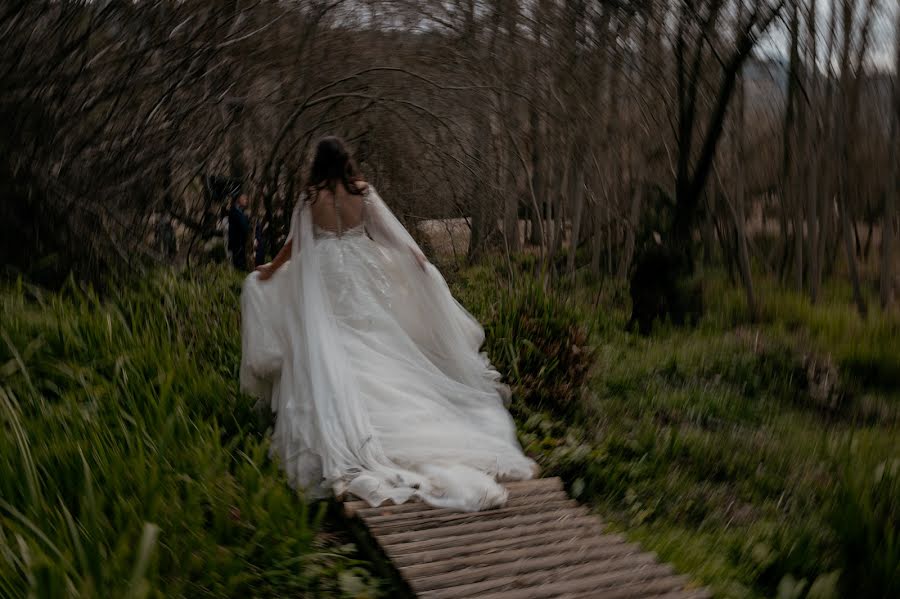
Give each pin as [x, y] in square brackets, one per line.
[542, 544]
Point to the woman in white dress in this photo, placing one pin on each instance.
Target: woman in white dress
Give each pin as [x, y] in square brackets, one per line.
[372, 368]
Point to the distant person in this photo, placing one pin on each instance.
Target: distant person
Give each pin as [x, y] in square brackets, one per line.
[371, 364]
[238, 231]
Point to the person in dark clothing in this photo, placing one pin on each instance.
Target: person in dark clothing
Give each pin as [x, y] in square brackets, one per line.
[238, 232]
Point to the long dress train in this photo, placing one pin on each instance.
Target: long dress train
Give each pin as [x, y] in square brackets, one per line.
[374, 373]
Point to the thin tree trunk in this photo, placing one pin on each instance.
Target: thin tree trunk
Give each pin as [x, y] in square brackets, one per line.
[609, 236]
[631, 229]
[812, 231]
[510, 106]
[810, 165]
[536, 237]
[601, 90]
[576, 193]
[537, 166]
[847, 121]
[562, 176]
[511, 218]
[887, 218]
[867, 246]
[832, 236]
[739, 210]
[709, 229]
[637, 155]
[483, 219]
[844, 209]
[729, 253]
[596, 242]
[848, 247]
[825, 187]
[789, 200]
[798, 249]
[887, 241]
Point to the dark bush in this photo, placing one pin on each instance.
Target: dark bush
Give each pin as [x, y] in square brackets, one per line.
[540, 343]
[662, 286]
[865, 517]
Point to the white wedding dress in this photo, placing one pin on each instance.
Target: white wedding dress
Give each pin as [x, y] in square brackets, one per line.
[374, 373]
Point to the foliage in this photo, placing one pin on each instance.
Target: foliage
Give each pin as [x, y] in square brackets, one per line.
[130, 464]
[721, 448]
[866, 518]
[863, 349]
[541, 344]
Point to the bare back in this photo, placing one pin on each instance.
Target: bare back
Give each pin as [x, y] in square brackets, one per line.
[339, 211]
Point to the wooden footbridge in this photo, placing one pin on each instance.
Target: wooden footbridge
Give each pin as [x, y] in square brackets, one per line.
[540, 545]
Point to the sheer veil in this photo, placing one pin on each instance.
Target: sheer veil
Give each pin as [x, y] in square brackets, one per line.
[442, 327]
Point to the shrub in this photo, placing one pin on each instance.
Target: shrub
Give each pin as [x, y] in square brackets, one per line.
[130, 465]
[866, 520]
[540, 343]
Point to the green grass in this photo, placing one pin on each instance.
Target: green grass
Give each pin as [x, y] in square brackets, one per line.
[865, 350]
[130, 464]
[762, 459]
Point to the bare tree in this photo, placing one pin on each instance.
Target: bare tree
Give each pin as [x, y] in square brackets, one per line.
[890, 197]
[591, 125]
[695, 41]
[851, 61]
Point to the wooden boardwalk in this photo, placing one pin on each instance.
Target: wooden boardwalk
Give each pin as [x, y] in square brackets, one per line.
[540, 545]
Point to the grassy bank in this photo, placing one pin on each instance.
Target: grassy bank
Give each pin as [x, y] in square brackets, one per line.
[130, 465]
[761, 458]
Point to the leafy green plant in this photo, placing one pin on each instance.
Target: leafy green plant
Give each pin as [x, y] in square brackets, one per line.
[715, 447]
[865, 516]
[130, 464]
[541, 343]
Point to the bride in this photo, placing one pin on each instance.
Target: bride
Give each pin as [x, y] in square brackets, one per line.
[372, 368]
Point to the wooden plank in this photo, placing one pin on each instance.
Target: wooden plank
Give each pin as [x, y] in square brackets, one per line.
[694, 593]
[584, 525]
[493, 545]
[570, 579]
[383, 525]
[527, 565]
[575, 550]
[539, 545]
[647, 589]
[559, 516]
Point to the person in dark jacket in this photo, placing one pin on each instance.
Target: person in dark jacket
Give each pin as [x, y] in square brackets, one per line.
[238, 232]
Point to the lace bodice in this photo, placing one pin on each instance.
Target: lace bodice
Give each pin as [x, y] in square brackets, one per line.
[357, 231]
[373, 223]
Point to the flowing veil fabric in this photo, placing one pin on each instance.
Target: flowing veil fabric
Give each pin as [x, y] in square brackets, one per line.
[374, 373]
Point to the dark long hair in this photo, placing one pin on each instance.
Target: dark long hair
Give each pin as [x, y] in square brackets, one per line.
[331, 165]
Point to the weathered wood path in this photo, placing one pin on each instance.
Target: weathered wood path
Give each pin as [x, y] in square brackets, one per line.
[542, 544]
